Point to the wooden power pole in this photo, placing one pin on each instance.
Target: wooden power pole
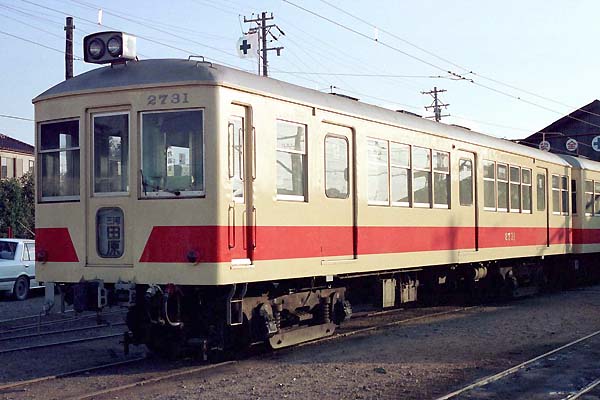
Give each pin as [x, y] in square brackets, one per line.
[69, 48]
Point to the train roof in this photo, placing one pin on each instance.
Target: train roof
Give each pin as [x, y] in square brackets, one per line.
[176, 71]
[582, 163]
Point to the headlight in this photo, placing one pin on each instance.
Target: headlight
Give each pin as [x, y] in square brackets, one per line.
[114, 46]
[109, 47]
[96, 49]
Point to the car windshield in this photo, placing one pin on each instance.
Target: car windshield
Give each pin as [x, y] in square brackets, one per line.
[7, 250]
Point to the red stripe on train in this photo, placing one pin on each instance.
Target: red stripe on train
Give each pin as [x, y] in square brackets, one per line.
[172, 244]
[56, 245]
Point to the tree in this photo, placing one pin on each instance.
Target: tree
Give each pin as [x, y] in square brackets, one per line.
[17, 206]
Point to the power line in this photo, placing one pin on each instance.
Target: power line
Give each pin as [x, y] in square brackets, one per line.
[460, 77]
[468, 70]
[36, 43]
[376, 41]
[15, 117]
[364, 75]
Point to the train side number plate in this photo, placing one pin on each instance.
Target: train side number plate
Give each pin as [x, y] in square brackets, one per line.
[163, 99]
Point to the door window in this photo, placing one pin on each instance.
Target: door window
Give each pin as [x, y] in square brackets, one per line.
[336, 167]
[111, 153]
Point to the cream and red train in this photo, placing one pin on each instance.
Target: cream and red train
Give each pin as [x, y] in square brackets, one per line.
[225, 208]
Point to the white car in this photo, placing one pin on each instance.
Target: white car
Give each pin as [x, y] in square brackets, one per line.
[17, 267]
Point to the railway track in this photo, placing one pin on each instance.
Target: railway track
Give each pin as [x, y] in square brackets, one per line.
[62, 331]
[556, 374]
[38, 325]
[165, 376]
[60, 343]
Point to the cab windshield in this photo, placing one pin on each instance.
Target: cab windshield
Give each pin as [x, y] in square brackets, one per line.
[7, 250]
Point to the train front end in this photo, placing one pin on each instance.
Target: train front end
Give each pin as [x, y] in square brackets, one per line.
[125, 153]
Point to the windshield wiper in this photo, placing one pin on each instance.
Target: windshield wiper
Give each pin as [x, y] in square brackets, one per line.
[156, 188]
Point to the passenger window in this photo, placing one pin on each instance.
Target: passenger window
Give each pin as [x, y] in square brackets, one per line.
[541, 192]
[465, 182]
[515, 189]
[589, 198]
[336, 167]
[555, 194]
[400, 170]
[378, 171]
[421, 158]
[31, 249]
[25, 256]
[564, 189]
[526, 190]
[172, 153]
[111, 153]
[502, 183]
[291, 161]
[489, 185]
[441, 179]
[59, 155]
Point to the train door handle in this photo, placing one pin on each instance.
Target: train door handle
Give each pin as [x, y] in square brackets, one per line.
[254, 227]
[253, 153]
[230, 150]
[231, 226]
[242, 154]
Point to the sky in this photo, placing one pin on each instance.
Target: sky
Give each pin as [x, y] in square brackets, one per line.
[509, 68]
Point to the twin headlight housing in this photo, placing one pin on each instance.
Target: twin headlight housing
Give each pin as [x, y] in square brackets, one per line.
[109, 47]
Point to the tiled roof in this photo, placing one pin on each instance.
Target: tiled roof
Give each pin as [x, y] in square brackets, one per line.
[11, 144]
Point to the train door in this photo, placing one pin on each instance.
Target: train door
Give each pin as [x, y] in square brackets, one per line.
[241, 172]
[109, 225]
[541, 184]
[338, 233]
[467, 204]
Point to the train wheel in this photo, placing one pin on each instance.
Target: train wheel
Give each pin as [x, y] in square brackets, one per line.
[21, 288]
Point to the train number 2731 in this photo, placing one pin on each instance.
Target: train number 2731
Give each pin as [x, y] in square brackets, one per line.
[174, 98]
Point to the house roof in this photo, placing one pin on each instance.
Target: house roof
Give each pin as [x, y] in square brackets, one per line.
[12, 144]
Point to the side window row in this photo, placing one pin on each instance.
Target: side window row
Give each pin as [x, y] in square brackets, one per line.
[506, 188]
[592, 198]
[404, 175]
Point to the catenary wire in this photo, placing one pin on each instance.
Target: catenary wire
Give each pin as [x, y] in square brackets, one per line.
[15, 117]
[459, 76]
[467, 70]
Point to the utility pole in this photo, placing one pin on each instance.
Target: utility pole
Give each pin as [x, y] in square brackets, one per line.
[69, 48]
[437, 104]
[263, 31]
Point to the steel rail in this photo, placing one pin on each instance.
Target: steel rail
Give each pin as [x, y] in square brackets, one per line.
[55, 322]
[67, 374]
[583, 390]
[384, 326]
[65, 342]
[81, 328]
[509, 371]
[155, 379]
[4, 321]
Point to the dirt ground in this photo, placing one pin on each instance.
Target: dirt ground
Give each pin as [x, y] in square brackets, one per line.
[421, 360]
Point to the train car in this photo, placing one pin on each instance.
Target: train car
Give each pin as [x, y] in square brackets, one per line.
[224, 208]
[585, 197]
